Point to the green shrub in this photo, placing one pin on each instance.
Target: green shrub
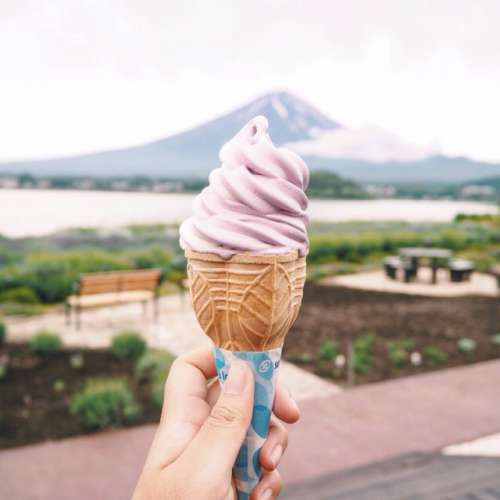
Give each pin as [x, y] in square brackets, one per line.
[152, 365]
[399, 352]
[23, 310]
[3, 333]
[77, 361]
[105, 403]
[128, 345]
[496, 339]
[4, 368]
[59, 385]
[157, 391]
[20, 295]
[328, 351]
[466, 345]
[45, 343]
[434, 356]
[362, 353]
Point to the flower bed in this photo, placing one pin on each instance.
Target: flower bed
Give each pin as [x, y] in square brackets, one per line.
[390, 335]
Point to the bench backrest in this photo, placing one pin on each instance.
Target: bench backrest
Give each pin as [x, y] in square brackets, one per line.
[119, 281]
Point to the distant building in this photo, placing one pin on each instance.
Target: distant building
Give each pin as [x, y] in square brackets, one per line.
[477, 191]
[9, 183]
[43, 184]
[121, 185]
[380, 191]
[167, 187]
[84, 184]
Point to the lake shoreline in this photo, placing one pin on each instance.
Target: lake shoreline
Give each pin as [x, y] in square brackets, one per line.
[26, 213]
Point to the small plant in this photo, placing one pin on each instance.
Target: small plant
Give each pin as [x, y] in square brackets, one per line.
[153, 364]
[157, 391]
[4, 367]
[496, 339]
[128, 345]
[434, 356]
[3, 333]
[399, 352]
[45, 343]
[59, 385]
[105, 403]
[20, 295]
[328, 351]
[466, 345]
[77, 361]
[362, 353]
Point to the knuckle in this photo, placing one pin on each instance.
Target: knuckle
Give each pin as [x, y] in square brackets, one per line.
[224, 416]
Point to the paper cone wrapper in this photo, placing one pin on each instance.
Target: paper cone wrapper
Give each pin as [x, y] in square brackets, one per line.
[246, 304]
[264, 365]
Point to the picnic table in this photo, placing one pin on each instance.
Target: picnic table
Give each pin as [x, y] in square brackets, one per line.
[434, 255]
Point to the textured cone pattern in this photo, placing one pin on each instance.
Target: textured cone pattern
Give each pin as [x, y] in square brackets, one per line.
[248, 302]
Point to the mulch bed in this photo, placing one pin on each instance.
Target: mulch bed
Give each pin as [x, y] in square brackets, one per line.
[344, 314]
[31, 410]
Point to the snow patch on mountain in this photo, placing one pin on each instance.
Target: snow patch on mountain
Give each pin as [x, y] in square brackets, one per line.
[368, 143]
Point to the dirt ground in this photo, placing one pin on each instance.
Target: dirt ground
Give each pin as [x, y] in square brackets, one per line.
[31, 410]
[343, 315]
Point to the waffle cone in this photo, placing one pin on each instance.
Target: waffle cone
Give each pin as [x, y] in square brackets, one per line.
[247, 302]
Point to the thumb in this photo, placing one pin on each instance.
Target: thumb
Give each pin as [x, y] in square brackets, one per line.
[218, 441]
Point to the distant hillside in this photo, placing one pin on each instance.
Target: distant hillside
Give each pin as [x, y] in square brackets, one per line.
[324, 184]
[193, 153]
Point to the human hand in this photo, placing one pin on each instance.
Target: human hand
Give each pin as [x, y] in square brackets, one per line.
[201, 430]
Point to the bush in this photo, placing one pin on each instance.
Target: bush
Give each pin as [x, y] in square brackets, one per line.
[77, 361]
[328, 351]
[434, 356]
[105, 403]
[3, 333]
[399, 352]
[45, 343]
[496, 339]
[466, 345]
[153, 365]
[157, 391]
[20, 295]
[362, 353]
[128, 345]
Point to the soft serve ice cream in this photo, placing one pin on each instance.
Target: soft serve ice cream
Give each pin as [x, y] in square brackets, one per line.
[255, 202]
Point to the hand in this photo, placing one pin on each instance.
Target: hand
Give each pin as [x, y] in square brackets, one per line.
[201, 430]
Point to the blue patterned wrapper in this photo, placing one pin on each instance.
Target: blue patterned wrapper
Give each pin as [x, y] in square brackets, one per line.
[264, 366]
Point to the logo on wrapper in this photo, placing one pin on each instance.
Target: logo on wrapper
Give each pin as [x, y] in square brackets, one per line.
[265, 366]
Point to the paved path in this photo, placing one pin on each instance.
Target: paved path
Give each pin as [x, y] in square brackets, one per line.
[358, 426]
[480, 284]
[176, 331]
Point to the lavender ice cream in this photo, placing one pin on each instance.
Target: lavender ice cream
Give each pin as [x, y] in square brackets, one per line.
[255, 201]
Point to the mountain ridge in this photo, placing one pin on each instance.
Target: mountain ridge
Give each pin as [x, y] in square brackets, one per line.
[194, 152]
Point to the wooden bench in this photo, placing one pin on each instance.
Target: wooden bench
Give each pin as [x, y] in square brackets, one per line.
[112, 288]
[460, 270]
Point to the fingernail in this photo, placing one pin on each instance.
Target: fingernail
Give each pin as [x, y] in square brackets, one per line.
[267, 495]
[235, 382]
[276, 454]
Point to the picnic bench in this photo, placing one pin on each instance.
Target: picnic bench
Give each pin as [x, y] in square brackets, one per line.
[393, 264]
[113, 288]
[437, 257]
[460, 270]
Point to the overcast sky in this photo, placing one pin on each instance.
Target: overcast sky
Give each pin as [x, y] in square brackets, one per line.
[85, 75]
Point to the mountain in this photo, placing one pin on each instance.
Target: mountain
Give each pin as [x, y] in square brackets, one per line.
[367, 154]
[194, 152]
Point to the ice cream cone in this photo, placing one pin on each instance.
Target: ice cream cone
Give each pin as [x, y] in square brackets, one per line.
[246, 304]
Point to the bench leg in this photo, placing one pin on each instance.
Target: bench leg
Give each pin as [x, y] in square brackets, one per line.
[78, 320]
[155, 309]
[144, 309]
[67, 313]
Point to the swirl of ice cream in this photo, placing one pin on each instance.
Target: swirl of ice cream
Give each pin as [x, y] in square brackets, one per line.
[255, 202]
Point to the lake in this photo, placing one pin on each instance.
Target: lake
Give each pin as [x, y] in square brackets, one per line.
[27, 212]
